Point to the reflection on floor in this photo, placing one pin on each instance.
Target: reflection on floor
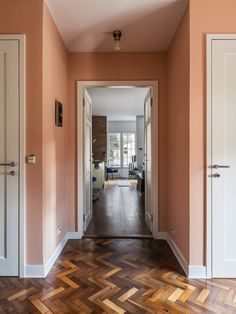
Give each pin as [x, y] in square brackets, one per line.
[119, 211]
[117, 276]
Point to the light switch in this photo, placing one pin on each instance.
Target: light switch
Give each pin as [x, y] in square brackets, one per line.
[31, 159]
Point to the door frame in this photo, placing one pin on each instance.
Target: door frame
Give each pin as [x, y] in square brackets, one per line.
[22, 211]
[209, 211]
[85, 123]
[81, 85]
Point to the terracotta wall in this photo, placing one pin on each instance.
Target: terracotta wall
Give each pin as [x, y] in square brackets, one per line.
[47, 184]
[25, 17]
[125, 66]
[178, 137]
[206, 16]
[53, 177]
[56, 194]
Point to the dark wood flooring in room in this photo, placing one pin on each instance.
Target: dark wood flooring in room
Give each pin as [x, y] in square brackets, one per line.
[119, 211]
[117, 276]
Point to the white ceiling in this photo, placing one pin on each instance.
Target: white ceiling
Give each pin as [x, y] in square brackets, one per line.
[119, 104]
[87, 25]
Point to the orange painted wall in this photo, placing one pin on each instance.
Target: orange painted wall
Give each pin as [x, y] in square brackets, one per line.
[57, 203]
[206, 16]
[125, 66]
[25, 17]
[178, 137]
[48, 203]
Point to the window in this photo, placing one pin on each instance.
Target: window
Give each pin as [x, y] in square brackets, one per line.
[121, 148]
[114, 145]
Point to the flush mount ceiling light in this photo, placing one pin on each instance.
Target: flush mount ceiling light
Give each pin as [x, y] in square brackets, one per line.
[117, 36]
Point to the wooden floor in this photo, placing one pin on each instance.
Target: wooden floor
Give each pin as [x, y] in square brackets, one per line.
[119, 211]
[117, 276]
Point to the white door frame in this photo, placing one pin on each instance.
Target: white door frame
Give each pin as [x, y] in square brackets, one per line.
[80, 143]
[209, 39]
[21, 46]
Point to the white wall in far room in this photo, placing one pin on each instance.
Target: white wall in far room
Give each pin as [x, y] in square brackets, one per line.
[121, 126]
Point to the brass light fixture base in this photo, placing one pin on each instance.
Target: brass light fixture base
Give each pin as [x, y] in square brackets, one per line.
[117, 34]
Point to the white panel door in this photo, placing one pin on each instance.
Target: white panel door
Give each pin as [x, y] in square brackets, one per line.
[223, 158]
[9, 153]
[87, 160]
[148, 159]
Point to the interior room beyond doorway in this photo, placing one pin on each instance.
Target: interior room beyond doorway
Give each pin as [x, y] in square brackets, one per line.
[118, 162]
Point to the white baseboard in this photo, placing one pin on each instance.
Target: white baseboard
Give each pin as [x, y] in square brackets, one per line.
[54, 256]
[73, 235]
[178, 254]
[34, 271]
[191, 271]
[41, 271]
[197, 272]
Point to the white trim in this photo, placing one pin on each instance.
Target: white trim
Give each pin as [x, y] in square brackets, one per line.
[178, 254]
[148, 219]
[80, 161]
[197, 272]
[208, 160]
[81, 85]
[22, 210]
[34, 271]
[209, 39]
[52, 259]
[41, 271]
[191, 271]
[73, 235]
[121, 166]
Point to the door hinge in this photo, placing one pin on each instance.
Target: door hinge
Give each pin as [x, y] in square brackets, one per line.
[151, 101]
[83, 217]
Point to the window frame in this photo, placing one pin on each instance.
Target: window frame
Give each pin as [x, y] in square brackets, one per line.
[121, 148]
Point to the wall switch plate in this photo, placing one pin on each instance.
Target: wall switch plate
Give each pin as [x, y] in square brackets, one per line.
[59, 229]
[31, 159]
[172, 228]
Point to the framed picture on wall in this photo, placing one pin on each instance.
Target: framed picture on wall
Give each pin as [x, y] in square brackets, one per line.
[58, 114]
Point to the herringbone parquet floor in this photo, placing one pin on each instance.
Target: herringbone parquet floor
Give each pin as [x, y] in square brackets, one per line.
[117, 276]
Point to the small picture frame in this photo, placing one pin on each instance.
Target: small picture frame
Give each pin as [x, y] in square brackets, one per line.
[58, 114]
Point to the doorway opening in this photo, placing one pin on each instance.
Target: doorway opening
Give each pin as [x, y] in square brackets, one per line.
[116, 137]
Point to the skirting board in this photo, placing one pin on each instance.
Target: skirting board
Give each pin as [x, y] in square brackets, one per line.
[41, 271]
[191, 271]
[197, 272]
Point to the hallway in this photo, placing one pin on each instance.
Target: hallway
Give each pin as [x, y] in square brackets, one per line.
[119, 211]
[116, 276]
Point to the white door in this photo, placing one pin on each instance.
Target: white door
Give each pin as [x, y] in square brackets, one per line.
[9, 153]
[148, 159]
[223, 165]
[87, 159]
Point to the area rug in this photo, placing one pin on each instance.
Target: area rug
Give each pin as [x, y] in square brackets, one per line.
[123, 183]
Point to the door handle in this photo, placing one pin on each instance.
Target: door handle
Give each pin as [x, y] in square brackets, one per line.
[215, 175]
[10, 164]
[219, 166]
